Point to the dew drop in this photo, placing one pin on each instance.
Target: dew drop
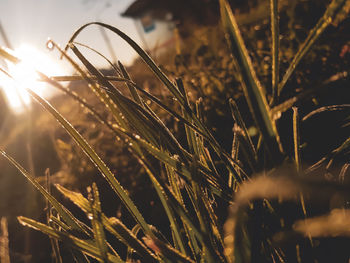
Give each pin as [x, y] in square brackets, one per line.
[49, 44]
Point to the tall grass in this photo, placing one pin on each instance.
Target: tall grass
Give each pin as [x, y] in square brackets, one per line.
[197, 235]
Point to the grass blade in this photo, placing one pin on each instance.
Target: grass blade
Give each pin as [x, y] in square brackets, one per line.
[327, 108]
[252, 88]
[97, 226]
[148, 60]
[131, 88]
[296, 137]
[275, 48]
[250, 150]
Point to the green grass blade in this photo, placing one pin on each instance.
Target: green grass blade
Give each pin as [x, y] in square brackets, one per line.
[171, 112]
[135, 230]
[133, 112]
[296, 137]
[173, 202]
[97, 225]
[131, 88]
[175, 228]
[275, 48]
[251, 86]
[203, 217]
[175, 186]
[239, 120]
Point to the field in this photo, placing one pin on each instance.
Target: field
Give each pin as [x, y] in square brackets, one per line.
[230, 146]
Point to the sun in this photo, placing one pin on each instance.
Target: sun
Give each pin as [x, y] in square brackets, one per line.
[25, 76]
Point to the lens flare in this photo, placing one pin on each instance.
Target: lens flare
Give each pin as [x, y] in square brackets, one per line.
[25, 76]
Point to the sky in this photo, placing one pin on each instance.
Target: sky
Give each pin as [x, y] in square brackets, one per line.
[32, 22]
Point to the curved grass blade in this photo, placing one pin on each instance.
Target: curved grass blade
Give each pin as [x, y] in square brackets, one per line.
[277, 110]
[342, 149]
[135, 230]
[327, 108]
[101, 55]
[148, 60]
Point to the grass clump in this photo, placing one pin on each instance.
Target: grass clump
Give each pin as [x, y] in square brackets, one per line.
[266, 220]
